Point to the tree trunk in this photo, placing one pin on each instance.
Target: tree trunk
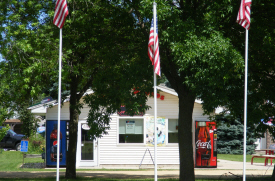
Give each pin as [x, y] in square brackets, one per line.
[186, 106]
[73, 127]
[71, 154]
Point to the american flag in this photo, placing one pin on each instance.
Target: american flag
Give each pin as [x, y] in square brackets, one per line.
[154, 55]
[244, 14]
[60, 13]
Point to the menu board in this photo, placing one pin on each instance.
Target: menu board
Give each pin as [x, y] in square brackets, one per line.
[130, 127]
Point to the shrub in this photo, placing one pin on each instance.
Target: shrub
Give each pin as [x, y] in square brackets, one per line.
[36, 144]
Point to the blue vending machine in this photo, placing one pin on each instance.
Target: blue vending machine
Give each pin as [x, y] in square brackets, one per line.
[51, 143]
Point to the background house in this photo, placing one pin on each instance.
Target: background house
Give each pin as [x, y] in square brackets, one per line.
[15, 125]
[265, 142]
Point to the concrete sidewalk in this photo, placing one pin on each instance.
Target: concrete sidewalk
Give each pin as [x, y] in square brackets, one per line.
[234, 169]
[225, 169]
[231, 169]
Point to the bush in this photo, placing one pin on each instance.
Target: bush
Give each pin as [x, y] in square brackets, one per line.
[36, 144]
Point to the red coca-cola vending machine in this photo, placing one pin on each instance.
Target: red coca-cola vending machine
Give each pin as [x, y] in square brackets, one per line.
[205, 144]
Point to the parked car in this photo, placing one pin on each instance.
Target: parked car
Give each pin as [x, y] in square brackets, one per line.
[11, 140]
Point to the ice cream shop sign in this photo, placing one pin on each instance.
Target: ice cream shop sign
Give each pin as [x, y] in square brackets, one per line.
[122, 111]
[161, 97]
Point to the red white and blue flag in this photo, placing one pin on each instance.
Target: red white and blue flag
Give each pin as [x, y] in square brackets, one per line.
[153, 48]
[244, 14]
[60, 13]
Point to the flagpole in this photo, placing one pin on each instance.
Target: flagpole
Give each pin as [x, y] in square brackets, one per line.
[245, 105]
[155, 95]
[60, 13]
[59, 106]
[155, 123]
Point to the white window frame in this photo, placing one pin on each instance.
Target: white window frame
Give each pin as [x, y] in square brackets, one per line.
[167, 141]
[131, 118]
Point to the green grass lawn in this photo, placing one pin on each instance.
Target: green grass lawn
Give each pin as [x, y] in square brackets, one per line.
[12, 160]
[239, 158]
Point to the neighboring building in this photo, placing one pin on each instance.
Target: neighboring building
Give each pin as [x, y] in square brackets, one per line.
[267, 139]
[15, 125]
[265, 142]
[39, 110]
[129, 139]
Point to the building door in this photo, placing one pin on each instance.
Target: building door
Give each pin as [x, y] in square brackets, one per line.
[87, 147]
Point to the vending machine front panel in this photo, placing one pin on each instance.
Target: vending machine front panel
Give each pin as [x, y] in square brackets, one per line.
[205, 144]
[51, 143]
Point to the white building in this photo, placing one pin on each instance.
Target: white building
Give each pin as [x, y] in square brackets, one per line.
[129, 139]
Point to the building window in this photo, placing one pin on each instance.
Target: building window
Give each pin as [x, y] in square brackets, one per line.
[131, 131]
[173, 131]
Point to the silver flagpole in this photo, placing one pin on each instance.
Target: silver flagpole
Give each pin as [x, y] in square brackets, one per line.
[59, 106]
[155, 123]
[155, 94]
[245, 104]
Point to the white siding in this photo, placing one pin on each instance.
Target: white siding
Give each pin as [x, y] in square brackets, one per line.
[169, 107]
[52, 112]
[65, 112]
[112, 152]
[198, 113]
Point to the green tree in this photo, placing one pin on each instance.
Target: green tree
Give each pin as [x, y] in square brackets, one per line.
[16, 95]
[199, 62]
[261, 65]
[231, 139]
[104, 48]
[29, 122]
[101, 51]
[221, 17]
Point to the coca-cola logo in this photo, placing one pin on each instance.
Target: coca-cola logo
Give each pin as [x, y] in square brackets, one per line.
[211, 131]
[203, 145]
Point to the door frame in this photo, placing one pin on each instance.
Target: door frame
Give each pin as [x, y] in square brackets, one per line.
[85, 163]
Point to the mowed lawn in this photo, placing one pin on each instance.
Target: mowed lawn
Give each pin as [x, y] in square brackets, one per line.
[239, 158]
[12, 161]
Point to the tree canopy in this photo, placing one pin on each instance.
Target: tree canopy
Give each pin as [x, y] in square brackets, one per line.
[101, 51]
[105, 49]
